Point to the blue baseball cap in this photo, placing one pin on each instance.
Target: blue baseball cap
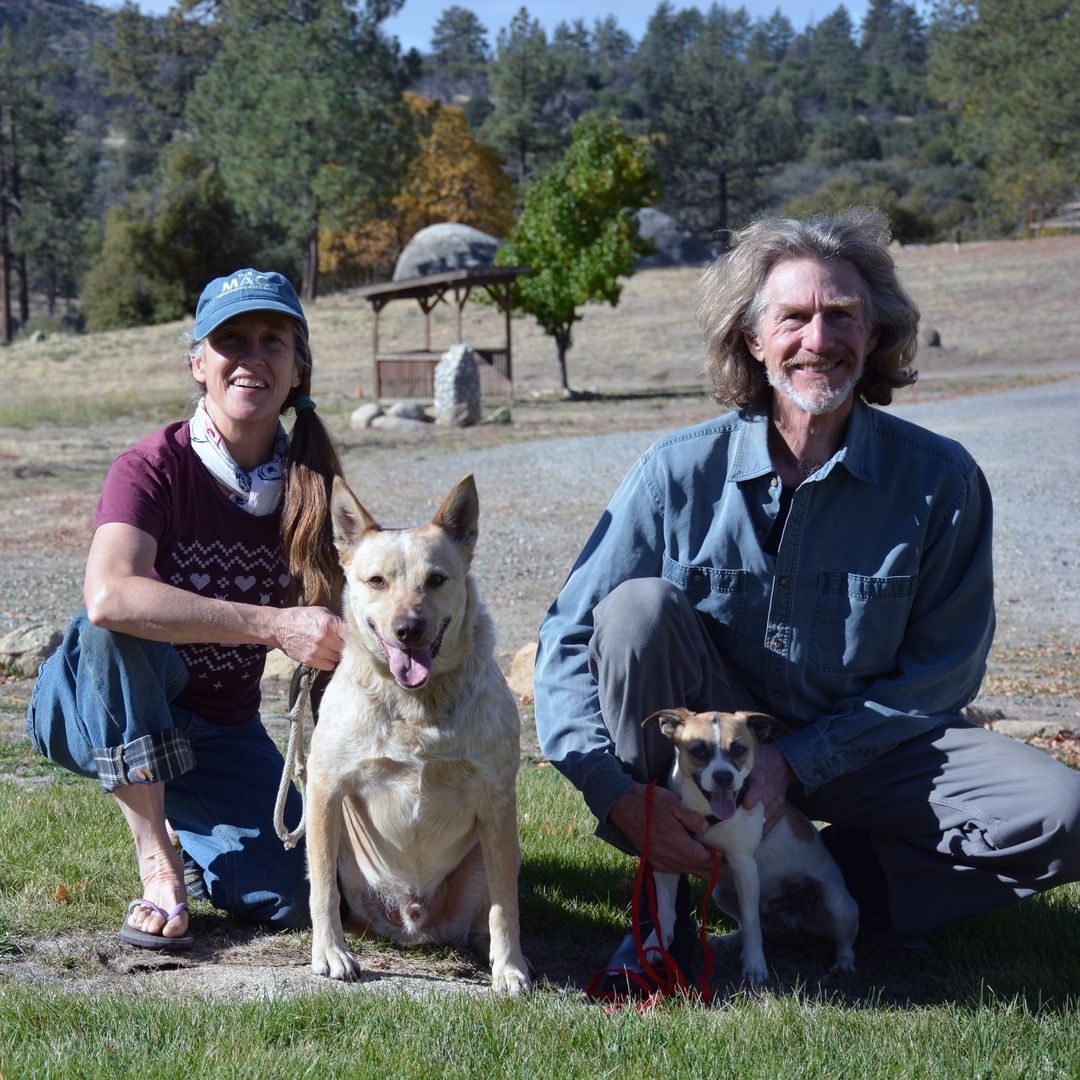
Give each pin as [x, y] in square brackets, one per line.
[245, 290]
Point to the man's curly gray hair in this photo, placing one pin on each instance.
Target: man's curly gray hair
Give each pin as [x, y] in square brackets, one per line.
[731, 295]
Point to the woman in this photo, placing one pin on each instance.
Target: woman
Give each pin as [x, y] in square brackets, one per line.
[208, 534]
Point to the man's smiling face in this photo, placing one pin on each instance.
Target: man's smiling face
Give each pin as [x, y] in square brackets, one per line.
[813, 334]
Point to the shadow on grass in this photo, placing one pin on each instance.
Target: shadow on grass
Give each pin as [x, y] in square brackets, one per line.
[1028, 955]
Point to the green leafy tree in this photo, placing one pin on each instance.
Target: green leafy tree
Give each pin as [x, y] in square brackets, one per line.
[578, 233]
[301, 111]
[1008, 69]
[525, 83]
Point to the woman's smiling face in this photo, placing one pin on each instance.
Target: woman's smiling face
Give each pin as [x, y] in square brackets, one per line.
[248, 366]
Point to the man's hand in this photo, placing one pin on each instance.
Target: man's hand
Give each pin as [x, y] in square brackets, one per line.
[768, 784]
[311, 636]
[672, 847]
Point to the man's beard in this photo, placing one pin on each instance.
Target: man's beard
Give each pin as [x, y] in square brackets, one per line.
[818, 402]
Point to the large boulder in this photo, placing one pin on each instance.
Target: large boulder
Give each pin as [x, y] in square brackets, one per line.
[439, 248]
[674, 245]
[24, 649]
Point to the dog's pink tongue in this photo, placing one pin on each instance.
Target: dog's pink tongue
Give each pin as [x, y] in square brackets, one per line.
[722, 804]
[411, 667]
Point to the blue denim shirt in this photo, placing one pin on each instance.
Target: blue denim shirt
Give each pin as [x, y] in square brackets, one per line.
[870, 625]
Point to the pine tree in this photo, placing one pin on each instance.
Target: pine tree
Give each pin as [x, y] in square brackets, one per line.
[301, 112]
[724, 123]
[525, 82]
[46, 172]
[458, 42]
[1008, 68]
[893, 50]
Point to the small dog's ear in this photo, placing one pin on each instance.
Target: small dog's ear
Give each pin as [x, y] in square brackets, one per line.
[761, 724]
[668, 720]
[459, 514]
[349, 518]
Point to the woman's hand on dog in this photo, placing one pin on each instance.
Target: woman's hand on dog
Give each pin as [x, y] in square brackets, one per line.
[769, 781]
[671, 845]
[311, 636]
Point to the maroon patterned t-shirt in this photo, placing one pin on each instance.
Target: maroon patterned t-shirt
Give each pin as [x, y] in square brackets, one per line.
[207, 545]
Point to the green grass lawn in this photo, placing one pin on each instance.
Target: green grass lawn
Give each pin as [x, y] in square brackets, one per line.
[997, 998]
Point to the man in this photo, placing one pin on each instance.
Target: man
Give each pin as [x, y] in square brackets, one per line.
[823, 561]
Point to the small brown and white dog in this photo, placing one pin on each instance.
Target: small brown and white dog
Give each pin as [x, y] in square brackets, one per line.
[786, 878]
[411, 787]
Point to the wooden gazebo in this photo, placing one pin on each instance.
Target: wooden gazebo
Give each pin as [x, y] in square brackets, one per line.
[411, 374]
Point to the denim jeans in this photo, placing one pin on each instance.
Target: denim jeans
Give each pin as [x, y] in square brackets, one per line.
[104, 706]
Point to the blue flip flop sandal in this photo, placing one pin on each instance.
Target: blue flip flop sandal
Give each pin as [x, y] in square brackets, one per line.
[140, 939]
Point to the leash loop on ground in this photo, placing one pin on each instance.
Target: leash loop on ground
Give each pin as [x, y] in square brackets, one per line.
[656, 985]
[295, 766]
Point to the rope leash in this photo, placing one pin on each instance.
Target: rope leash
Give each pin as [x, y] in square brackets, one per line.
[295, 764]
[656, 985]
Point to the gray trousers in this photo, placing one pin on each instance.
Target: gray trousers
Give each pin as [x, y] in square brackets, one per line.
[961, 820]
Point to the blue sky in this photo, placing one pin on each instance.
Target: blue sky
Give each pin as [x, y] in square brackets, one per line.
[412, 26]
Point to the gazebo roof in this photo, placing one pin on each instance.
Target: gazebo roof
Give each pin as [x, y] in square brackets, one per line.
[419, 288]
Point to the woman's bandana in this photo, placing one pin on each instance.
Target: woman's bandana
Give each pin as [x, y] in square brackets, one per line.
[259, 491]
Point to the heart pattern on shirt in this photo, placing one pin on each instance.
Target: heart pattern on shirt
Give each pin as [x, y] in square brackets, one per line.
[244, 583]
[200, 581]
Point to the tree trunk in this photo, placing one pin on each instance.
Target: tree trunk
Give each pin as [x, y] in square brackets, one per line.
[309, 286]
[722, 210]
[5, 284]
[5, 259]
[24, 289]
[562, 345]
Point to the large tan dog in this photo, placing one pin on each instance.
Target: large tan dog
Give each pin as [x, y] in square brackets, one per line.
[785, 878]
[411, 797]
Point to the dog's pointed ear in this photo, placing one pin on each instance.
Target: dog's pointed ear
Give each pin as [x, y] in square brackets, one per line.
[459, 514]
[349, 518]
[761, 724]
[668, 720]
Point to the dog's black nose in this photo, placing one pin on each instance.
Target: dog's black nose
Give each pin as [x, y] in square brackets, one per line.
[723, 779]
[410, 631]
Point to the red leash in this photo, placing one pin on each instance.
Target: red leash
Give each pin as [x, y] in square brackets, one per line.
[655, 985]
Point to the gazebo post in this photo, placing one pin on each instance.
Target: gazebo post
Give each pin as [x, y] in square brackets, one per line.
[375, 350]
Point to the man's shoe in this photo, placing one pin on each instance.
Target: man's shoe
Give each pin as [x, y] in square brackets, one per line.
[624, 973]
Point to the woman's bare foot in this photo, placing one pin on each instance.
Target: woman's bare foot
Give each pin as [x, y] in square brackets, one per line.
[160, 867]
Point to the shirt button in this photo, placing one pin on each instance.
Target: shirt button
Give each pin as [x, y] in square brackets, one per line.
[697, 576]
[785, 581]
[777, 644]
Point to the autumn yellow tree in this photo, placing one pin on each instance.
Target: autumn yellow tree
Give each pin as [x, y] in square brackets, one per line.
[452, 178]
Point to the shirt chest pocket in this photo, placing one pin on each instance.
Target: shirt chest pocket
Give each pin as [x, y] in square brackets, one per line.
[859, 622]
[716, 592]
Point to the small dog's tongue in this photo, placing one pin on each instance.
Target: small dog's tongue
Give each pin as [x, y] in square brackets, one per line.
[411, 667]
[722, 804]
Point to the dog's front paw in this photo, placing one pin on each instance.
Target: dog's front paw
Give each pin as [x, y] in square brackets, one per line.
[511, 979]
[842, 965]
[754, 970]
[335, 962]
